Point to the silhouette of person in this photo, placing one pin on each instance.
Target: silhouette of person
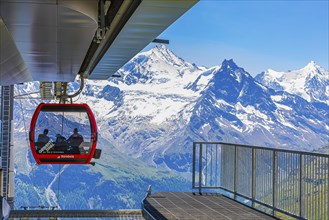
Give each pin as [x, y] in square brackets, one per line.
[43, 137]
[75, 139]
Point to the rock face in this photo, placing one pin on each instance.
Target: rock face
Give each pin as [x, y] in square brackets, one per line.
[149, 118]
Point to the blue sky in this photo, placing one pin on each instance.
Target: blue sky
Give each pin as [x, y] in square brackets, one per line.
[282, 35]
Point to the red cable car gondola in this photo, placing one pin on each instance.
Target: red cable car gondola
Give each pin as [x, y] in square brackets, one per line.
[51, 137]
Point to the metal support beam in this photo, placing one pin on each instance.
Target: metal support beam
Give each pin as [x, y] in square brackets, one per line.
[160, 41]
[6, 143]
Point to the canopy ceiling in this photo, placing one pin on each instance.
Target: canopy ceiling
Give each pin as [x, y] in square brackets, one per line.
[54, 40]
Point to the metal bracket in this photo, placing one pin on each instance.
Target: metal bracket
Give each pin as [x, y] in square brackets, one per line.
[46, 89]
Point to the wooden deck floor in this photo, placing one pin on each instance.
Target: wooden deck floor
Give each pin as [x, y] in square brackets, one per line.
[189, 206]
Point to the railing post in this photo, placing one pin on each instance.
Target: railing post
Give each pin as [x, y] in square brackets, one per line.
[301, 165]
[235, 170]
[193, 165]
[275, 174]
[200, 169]
[253, 180]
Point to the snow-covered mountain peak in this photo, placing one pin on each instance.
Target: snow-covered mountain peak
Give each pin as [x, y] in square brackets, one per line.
[229, 69]
[232, 84]
[162, 49]
[159, 66]
[161, 52]
[312, 69]
[309, 82]
[311, 66]
[229, 64]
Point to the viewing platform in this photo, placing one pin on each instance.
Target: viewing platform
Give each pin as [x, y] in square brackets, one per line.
[190, 206]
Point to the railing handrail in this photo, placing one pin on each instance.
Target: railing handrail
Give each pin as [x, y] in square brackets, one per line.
[266, 148]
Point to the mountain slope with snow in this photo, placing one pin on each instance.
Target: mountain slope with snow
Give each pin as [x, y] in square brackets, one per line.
[310, 82]
[235, 108]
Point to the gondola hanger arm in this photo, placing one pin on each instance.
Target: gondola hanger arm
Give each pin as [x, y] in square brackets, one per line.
[63, 97]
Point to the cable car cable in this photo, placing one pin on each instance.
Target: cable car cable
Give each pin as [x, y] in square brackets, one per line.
[27, 142]
[58, 182]
[59, 166]
[21, 96]
[26, 139]
[24, 124]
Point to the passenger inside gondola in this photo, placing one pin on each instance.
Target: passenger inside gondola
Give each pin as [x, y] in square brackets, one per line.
[75, 139]
[43, 138]
[44, 144]
[74, 142]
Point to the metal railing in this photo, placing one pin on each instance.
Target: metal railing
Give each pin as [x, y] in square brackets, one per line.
[276, 181]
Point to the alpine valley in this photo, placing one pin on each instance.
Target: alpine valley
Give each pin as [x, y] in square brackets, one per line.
[149, 118]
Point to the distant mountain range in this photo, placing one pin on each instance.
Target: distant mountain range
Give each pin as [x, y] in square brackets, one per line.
[149, 118]
[310, 82]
